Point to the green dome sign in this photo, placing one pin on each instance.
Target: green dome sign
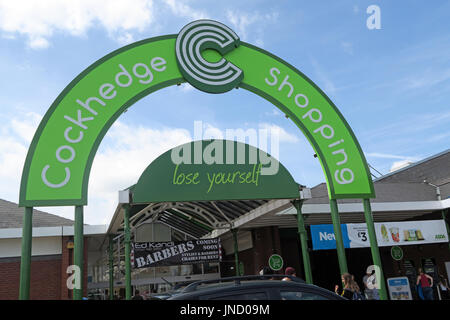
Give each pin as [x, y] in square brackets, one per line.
[235, 173]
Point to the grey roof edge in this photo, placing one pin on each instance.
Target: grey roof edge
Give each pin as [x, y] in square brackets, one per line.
[11, 211]
[412, 165]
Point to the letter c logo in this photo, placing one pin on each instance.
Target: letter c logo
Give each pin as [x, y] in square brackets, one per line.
[218, 77]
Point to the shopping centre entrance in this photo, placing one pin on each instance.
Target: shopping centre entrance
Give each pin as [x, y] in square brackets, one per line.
[211, 57]
[167, 217]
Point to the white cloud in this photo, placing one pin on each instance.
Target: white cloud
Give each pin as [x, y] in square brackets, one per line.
[40, 20]
[186, 87]
[275, 112]
[323, 77]
[390, 156]
[180, 9]
[242, 22]
[397, 165]
[283, 135]
[124, 154]
[125, 38]
[15, 137]
[347, 47]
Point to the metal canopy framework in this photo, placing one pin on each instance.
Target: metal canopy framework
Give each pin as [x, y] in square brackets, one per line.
[196, 219]
[201, 198]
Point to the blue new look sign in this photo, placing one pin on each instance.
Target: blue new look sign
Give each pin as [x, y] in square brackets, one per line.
[323, 236]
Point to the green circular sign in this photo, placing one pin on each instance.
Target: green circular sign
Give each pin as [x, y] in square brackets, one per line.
[397, 253]
[275, 262]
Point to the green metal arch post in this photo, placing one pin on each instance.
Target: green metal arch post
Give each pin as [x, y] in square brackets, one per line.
[127, 232]
[374, 248]
[111, 267]
[78, 254]
[338, 236]
[303, 241]
[236, 251]
[25, 262]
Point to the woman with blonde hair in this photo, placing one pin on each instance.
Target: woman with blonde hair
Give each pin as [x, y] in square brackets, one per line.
[347, 286]
[351, 289]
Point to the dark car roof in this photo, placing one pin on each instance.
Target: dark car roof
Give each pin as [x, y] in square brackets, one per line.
[229, 287]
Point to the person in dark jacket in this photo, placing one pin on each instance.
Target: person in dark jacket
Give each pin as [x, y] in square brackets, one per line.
[137, 296]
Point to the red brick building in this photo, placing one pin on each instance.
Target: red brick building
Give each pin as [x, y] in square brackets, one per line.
[52, 253]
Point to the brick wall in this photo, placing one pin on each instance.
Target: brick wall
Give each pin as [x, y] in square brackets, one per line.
[48, 275]
[266, 241]
[44, 282]
[66, 261]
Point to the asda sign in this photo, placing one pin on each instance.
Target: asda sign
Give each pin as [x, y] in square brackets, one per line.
[208, 55]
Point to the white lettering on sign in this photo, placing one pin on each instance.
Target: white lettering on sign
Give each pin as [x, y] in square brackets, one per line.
[89, 108]
[314, 115]
[326, 236]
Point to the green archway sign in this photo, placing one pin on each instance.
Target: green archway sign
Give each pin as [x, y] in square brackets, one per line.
[209, 56]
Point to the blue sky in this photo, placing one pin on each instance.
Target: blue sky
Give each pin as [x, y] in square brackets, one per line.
[392, 85]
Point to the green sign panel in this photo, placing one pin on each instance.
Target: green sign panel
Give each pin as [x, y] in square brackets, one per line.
[276, 262]
[397, 253]
[59, 160]
[209, 170]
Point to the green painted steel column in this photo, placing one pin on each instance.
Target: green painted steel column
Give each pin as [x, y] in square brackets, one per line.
[236, 251]
[338, 236]
[374, 248]
[303, 241]
[111, 267]
[127, 231]
[25, 260]
[78, 254]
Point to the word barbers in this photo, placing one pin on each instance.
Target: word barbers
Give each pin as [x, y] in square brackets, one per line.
[152, 254]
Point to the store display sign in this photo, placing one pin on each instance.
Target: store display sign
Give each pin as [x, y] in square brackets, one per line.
[170, 253]
[411, 232]
[323, 236]
[399, 288]
[388, 234]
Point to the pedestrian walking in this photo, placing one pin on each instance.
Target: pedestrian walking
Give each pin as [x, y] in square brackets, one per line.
[347, 291]
[289, 272]
[425, 283]
[444, 288]
[137, 296]
[350, 289]
[369, 282]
